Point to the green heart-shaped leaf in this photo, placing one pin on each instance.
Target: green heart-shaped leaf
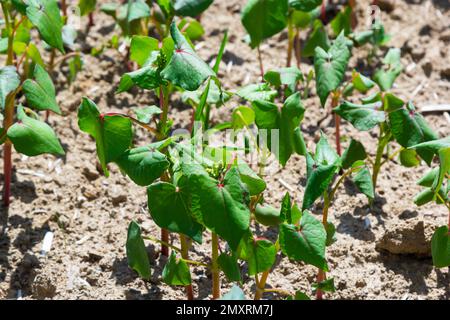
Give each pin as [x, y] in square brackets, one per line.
[229, 265]
[362, 117]
[190, 8]
[440, 247]
[40, 92]
[136, 252]
[176, 272]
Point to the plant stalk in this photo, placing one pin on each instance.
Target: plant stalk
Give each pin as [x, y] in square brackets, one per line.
[215, 266]
[298, 48]
[261, 284]
[7, 149]
[321, 274]
[261, 66]
[382, 142]
[291, 37]
[185, 255]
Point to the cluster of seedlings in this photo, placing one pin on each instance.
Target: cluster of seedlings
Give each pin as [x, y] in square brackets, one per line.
[195, 188]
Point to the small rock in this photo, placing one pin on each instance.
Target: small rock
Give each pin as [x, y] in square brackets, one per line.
[407, 237]
[386, 5]
[91, 173]
[360, 283]
[117, 196]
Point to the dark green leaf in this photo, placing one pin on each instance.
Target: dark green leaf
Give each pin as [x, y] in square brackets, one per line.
[260, 255]
[136, 252]
[363, 180]
[342, 22]
[112, 133]
[362, 117]
[331, 234]
[185, 69]
[176, 273]
[190, 8]
[254, 183]
[330, 67]
[169, 207]
[440, 247]
[354, 152]
[306, 242]
[33, 137]
[317, 39]
[326, 285]
[264, 18]
[40, 92]
[229, 265]
[267, 215]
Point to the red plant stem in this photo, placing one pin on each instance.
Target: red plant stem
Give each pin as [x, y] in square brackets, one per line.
[323, 11]
[352, 5]
[64, 8]
[261, 67]
[91, 19]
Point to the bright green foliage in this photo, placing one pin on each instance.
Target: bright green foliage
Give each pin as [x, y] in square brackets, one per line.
[143, 165]
[362, 117]
[243, 117]
[229, 265]
[219, 206]
[392, 68]
[254, 183]
[304, 5]
[136, 252]
[284, 76]
[9, 81]
[176, 272]
[191, 8]
[440, 247]
[363, 180]
[40, 91]
[146, 114]
[33, 137]
[186, 69]
[317, 39]
[112, 133]
[261, 91]
[141, 48]
[169, 207]
[354, 152]
[409, 158]
[44, 14]
[260, 255]
[305, 242]
[330, 67]
[267, 116]
[342, 22]
[264, 18]
[267, 215]
[87, 6]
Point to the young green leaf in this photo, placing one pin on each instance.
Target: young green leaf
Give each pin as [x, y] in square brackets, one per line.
[409, 158]
[143, 165]
[409, 128]
[86, 6]
[330, 67]
[325, 154]
[9, 81]
[112, 133]
[141, 48]
[264, 18]
[254, 183]
[220, 206]
[326, 285]
[353, 153]
[44, 14]
[229, 265]
[331, 234]
[243, 117]
[440, 247]
[40, 92]
[185, 68]
[363, 180]
[392, 68]
[267, 215]
[260, 255]
[284, 76]
[305, 242]
[319, 178]
[342, 22]
[190, 8]
[136, 252]
[146, 114]
[169, 207]
[176, 273]
[362, 117]
[33, 137]
[304, 5]
[253, 92]
[317, 39]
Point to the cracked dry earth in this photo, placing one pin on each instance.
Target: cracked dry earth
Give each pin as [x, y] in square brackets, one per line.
[380, 253]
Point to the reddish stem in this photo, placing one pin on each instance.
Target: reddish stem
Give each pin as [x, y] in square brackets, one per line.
[320, 278]
[337, 122]
[7, 170]
[91, 19]
[323, 11]
[164, 239]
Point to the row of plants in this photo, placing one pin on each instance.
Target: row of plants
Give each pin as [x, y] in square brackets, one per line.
[195, 189]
